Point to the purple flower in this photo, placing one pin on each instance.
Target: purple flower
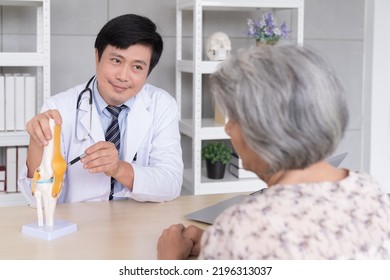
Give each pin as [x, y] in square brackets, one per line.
[269, 20]
[269, 31]
[265, 29]
[283, 30]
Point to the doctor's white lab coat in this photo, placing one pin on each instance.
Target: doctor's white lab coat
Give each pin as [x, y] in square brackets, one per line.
[152, 133]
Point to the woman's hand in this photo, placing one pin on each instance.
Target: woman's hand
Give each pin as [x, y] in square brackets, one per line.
[195, 234]
[173, 245]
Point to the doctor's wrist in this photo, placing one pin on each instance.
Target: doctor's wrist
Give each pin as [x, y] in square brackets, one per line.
[124, 174]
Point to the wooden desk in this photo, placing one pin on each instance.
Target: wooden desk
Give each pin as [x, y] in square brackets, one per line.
[106, 230]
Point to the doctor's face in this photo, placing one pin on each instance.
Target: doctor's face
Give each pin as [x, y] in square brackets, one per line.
[122, 73]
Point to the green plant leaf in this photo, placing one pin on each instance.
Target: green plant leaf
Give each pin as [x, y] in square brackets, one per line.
[216, 151]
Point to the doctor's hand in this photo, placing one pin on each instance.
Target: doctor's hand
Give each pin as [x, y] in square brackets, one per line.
[102, 157]
[38, 127]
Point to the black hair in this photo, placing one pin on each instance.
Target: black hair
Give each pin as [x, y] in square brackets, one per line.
[126, 30]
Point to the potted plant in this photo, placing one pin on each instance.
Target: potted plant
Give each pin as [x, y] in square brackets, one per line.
[217, 155]
[265, 31]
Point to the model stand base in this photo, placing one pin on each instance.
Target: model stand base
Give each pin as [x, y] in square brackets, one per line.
[60, 228]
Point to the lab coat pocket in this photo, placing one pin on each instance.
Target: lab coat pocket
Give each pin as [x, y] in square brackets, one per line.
[142, 156]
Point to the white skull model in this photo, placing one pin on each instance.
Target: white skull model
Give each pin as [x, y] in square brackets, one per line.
[218, 46]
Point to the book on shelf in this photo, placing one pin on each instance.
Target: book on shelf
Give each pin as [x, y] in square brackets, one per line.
[218, 116]
[19, 102]
[9, 102]
[236, 160]
[2, 178]
[241, 172]
[30, 97]
[11, 169]
[21, 161]
[2, 103]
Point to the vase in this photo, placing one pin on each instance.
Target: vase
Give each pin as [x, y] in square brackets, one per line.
[215, 170]
[268, 42]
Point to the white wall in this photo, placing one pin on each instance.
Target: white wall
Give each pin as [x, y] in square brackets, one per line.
[376, 92]
[335, 27]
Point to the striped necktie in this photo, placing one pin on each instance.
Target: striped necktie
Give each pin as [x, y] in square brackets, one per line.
[113, 135]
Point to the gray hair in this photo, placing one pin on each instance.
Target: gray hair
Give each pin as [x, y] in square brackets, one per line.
[289, 104]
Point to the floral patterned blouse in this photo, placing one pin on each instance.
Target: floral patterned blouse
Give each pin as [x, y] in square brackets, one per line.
[349, 219]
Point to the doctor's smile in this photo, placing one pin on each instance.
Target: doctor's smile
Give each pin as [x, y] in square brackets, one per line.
[120, 88]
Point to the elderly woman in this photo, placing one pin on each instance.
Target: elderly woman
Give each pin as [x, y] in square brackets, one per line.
[287, 113]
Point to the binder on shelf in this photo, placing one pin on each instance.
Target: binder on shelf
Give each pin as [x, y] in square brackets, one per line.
[9, 102]
[21, 161]
[2, 178]
[30, 97]
[19, 102]
[218, 116]
[2, 103]
[11, 170]
[241, 172]
[236, 160]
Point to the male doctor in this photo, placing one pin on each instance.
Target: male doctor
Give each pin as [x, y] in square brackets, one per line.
[148, 165]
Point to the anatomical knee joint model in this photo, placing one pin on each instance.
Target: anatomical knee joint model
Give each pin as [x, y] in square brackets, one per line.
[48, 177]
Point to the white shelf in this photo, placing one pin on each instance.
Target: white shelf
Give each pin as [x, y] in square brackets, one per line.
[22, 59]
[39, 59]
[205, 67]
[235, 5]
[18, 138]
[196, 127]
[21, 3]
[229, 184]
[209, 130]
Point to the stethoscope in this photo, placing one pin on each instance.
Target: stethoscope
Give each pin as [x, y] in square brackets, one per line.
[88, 90]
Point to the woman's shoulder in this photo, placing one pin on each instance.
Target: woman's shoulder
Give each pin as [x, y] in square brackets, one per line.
[285, 201]
[247, 212]
[361, 183]
[361, 177]
[291, 213]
